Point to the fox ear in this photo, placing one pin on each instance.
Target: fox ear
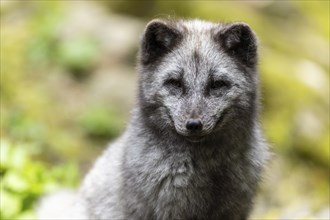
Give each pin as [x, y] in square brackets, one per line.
[159, 38]
[239, 41]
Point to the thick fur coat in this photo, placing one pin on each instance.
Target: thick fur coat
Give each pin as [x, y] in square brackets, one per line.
[193, 148]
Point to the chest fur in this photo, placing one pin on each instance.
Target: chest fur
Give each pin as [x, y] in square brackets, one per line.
[174, 187]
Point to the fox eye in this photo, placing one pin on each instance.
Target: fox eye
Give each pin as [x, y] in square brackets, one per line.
[219, 84]
[177, 83]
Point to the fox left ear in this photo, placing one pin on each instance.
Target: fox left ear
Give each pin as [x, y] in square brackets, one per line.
[159, 38]
[240, 42]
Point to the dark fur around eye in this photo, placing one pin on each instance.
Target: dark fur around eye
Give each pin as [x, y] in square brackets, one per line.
[176, 83]
[219, 84]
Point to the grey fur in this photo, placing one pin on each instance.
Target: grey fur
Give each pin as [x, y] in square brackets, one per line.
[158, 169]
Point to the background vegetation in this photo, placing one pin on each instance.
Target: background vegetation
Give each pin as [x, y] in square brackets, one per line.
[68, 84]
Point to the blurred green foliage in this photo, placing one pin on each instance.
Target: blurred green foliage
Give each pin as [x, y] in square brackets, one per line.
[24, 180]
[64, 91]
[101, 122]
[77, 55]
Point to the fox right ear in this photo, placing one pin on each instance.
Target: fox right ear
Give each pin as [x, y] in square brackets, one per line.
[159, 38]
[239, 41]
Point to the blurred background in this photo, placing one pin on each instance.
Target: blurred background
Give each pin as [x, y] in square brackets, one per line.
[68, 82]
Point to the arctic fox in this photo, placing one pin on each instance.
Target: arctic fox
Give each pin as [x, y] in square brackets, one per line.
[193, 148]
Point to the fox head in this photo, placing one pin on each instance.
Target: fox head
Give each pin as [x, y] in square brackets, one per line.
[198, 78]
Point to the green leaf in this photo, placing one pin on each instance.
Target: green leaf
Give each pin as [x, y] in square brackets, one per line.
[10, 205]
[15, 182]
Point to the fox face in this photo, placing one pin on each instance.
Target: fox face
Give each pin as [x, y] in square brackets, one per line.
[197, 77]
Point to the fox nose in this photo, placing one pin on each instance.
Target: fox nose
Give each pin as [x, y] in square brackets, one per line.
[194, 125]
